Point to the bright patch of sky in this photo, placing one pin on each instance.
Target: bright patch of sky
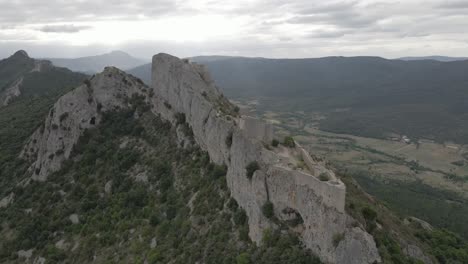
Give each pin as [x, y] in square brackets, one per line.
[268, 28]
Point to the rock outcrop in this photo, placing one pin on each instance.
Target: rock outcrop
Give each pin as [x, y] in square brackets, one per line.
[184, 94]
[187, 88]
[11, 92]
[72, 114]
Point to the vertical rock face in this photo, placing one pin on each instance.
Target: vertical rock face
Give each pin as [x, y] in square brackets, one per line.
[186, 88]
[184, 94]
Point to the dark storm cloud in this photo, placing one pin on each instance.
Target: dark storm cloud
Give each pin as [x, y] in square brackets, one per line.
[63, 28]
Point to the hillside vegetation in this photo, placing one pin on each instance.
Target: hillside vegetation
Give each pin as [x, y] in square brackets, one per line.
[131, 195]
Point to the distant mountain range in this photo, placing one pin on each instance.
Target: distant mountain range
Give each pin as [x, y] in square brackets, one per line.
[418, 98]
[436, 58]
[93, 64]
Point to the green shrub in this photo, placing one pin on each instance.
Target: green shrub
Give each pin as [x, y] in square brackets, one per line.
[274, 143]
[251, 168]
[324, 176]
[337, 238]
[289, 142]
[369, 214]
[268, 210]
[180, 118]
[243, 258]
[218, 171]
[154, 220]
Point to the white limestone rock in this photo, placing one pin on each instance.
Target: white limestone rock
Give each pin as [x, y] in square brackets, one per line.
[11, 92]
[153, 243]
[357, 247]
[74, 219]
[39, 260]
[72, 114]
[27, 254]
[7, 200]
[183, 87]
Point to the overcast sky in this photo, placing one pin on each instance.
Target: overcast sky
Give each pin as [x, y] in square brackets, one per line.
[267, 28]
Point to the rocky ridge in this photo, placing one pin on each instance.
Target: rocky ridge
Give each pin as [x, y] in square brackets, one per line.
[28, 65]
[184, 94]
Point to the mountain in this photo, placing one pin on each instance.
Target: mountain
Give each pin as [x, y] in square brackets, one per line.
[436, 58]
[119, 171]
[143, 72]
[28, 88]
[420, 99]
[93, 64]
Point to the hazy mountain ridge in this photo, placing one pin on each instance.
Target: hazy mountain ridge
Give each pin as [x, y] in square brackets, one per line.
[93, 64]
[436, 58]
[383, 96]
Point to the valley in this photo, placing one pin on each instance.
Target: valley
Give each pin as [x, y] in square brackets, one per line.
[424, 178]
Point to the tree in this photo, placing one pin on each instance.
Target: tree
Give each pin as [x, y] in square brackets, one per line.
[251, 168]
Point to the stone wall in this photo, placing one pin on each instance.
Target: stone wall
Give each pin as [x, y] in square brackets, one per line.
[257, 129]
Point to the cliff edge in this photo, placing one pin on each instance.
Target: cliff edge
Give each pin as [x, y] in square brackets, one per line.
[284, 179]
[318, 206]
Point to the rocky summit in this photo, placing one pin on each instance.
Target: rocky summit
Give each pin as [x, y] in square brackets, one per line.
[184, 90]
[174, 168]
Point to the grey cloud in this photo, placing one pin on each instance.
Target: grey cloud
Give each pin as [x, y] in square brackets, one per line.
[63, 28]
[276, 27]
[47, 11]
[342, 19]
[326, 34]
[454, 4]
[344, 14]
[333, 7]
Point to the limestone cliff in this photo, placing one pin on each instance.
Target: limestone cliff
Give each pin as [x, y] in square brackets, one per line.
[184, 94]
[72, 114]
[188, 89]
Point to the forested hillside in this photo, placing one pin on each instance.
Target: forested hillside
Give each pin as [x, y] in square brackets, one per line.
[39, 89]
